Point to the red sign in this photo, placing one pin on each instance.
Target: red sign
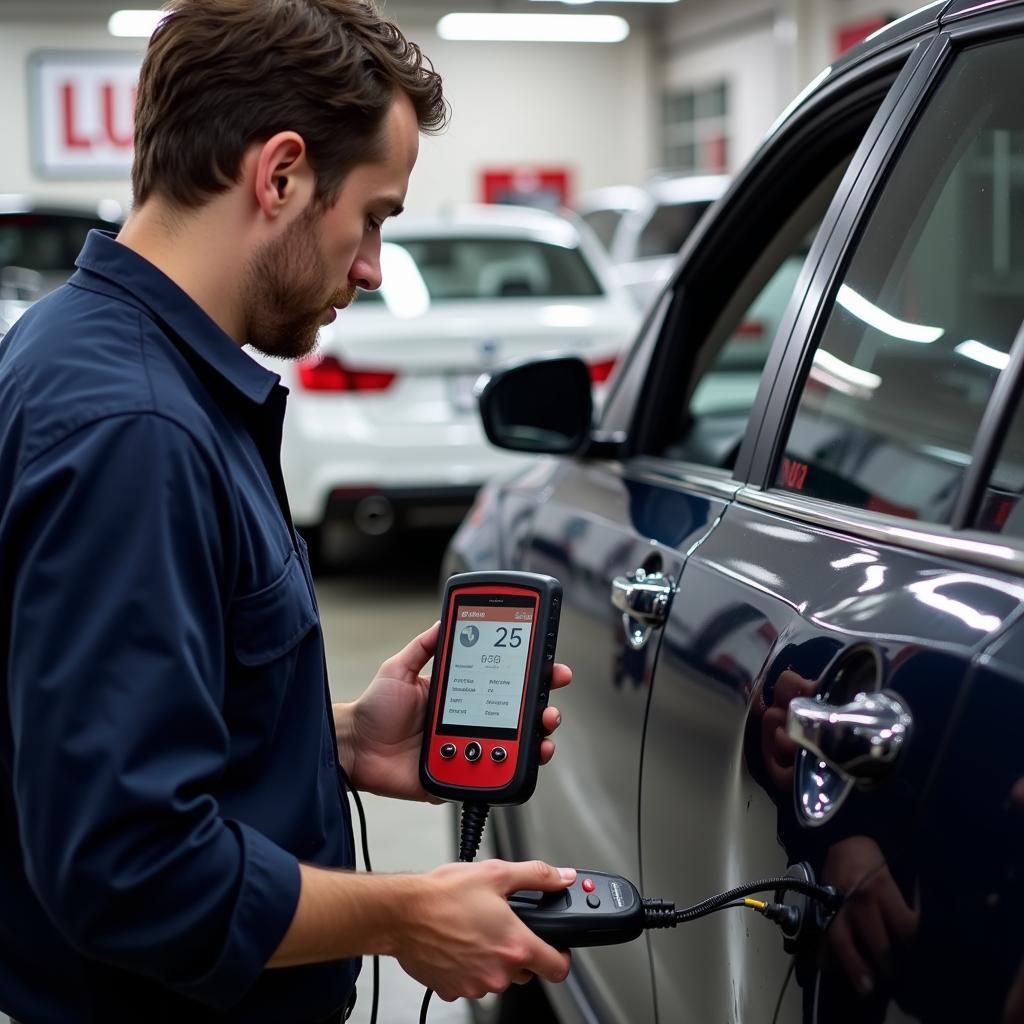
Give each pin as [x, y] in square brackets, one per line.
[83, 110]
[850, 35]
[545, 187]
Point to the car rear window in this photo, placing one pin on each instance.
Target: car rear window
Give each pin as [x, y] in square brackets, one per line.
[45, 243]
[668, 228]
[497, 268]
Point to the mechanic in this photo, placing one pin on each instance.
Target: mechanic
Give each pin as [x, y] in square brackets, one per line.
[175, 840]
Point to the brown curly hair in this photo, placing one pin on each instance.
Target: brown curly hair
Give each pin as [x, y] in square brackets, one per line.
[220, 75]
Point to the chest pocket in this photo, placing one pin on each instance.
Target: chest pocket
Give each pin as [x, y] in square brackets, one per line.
[265, 631]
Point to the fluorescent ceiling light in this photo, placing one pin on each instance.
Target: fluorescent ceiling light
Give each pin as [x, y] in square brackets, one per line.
[582, 3]
[534, 28]
[982, 353]
[845, 371]
[870, 314]
[134, 24]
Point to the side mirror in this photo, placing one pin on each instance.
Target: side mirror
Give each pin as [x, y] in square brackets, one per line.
[543, 406]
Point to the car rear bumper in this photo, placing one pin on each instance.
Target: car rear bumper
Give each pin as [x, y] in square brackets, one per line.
[375, 511]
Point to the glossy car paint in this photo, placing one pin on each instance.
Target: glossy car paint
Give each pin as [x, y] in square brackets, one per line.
[674, 765]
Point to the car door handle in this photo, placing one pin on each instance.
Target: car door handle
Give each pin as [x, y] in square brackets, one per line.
[860, 741]
[643, 599]
[643, 596]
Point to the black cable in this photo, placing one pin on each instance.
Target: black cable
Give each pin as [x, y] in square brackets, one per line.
[827, 895]
[474, 817]
[366, 864]
[471, 831]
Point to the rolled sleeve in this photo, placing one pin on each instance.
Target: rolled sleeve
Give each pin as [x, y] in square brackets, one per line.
[262, 913]
[115, 690]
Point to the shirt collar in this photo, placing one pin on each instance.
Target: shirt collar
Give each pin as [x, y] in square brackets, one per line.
[103, 256]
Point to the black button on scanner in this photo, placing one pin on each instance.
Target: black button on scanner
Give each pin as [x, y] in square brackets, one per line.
[473, 751]
[447, 751]
[593, 901]
[498, 754]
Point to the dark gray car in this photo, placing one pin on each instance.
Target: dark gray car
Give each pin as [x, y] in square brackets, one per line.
[794, 570]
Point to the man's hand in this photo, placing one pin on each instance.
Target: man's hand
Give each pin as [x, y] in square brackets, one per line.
[379, 735]
[467, 942]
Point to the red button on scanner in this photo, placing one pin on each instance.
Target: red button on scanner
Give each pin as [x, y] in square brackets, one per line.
[587, 885]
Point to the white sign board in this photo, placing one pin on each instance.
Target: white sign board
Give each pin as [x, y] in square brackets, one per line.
[82, 114]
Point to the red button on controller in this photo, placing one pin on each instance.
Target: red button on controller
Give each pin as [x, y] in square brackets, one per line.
[587, 885]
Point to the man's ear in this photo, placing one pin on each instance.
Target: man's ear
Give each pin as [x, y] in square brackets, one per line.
[284, 180]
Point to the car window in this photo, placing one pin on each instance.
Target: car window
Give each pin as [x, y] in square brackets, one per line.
[927, 310]
[603, 223]
[668, 227]
[727, 369]
[495, 268]
[44, 243]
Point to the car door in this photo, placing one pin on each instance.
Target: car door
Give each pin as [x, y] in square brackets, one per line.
[618, 531]
[823, 635]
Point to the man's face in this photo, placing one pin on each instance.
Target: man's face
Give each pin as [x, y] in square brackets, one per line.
[294, 284]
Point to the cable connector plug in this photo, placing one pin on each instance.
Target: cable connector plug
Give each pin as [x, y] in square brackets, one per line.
[659, 914]
[785, 915]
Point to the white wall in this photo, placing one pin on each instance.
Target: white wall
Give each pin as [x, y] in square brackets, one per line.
[767, 50]
[748, 43]
[587, 107]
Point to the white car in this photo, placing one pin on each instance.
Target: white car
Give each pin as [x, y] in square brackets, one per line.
[382, 427]
[644, 229]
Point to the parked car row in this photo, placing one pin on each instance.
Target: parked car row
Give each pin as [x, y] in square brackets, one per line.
[793, 566]
[381, 429]
[39, 242]
[643, 229]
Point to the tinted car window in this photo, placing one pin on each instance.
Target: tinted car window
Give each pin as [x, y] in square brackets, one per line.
[603, 223]
[668, 228]
[490, 268]
[738, 345]
[927, 310]
[46, 243]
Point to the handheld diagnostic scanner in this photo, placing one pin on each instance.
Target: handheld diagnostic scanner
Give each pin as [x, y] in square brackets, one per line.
[489, 687]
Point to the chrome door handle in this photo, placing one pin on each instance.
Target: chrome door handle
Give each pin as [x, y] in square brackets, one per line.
[860, 741]
[643, 599]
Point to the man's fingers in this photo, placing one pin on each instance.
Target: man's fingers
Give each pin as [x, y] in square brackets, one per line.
[535, 874]
[547, 750]
[548, 962]
[414, 655]
[840, 938]
[551, 719]
[561, 675]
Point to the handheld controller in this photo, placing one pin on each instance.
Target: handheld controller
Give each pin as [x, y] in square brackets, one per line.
[489, 687]
[596, 910]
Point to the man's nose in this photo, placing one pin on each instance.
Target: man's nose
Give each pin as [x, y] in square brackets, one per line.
[365, 272]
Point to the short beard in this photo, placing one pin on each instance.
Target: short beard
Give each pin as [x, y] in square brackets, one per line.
[286, 291]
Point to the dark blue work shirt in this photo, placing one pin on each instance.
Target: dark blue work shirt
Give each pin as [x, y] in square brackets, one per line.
[166, 750]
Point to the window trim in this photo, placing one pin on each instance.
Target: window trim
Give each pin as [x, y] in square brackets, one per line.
[972, 546]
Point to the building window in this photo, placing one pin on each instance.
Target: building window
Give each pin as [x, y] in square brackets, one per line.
[696, 137]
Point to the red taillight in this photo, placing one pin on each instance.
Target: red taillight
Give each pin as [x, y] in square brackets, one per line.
[751, 329]
[328, 373]
[600, 372]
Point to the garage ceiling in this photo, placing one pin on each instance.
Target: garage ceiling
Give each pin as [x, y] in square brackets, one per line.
[91, 11]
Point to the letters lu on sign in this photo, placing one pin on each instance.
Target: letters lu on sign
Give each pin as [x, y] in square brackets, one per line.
[83, 109]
